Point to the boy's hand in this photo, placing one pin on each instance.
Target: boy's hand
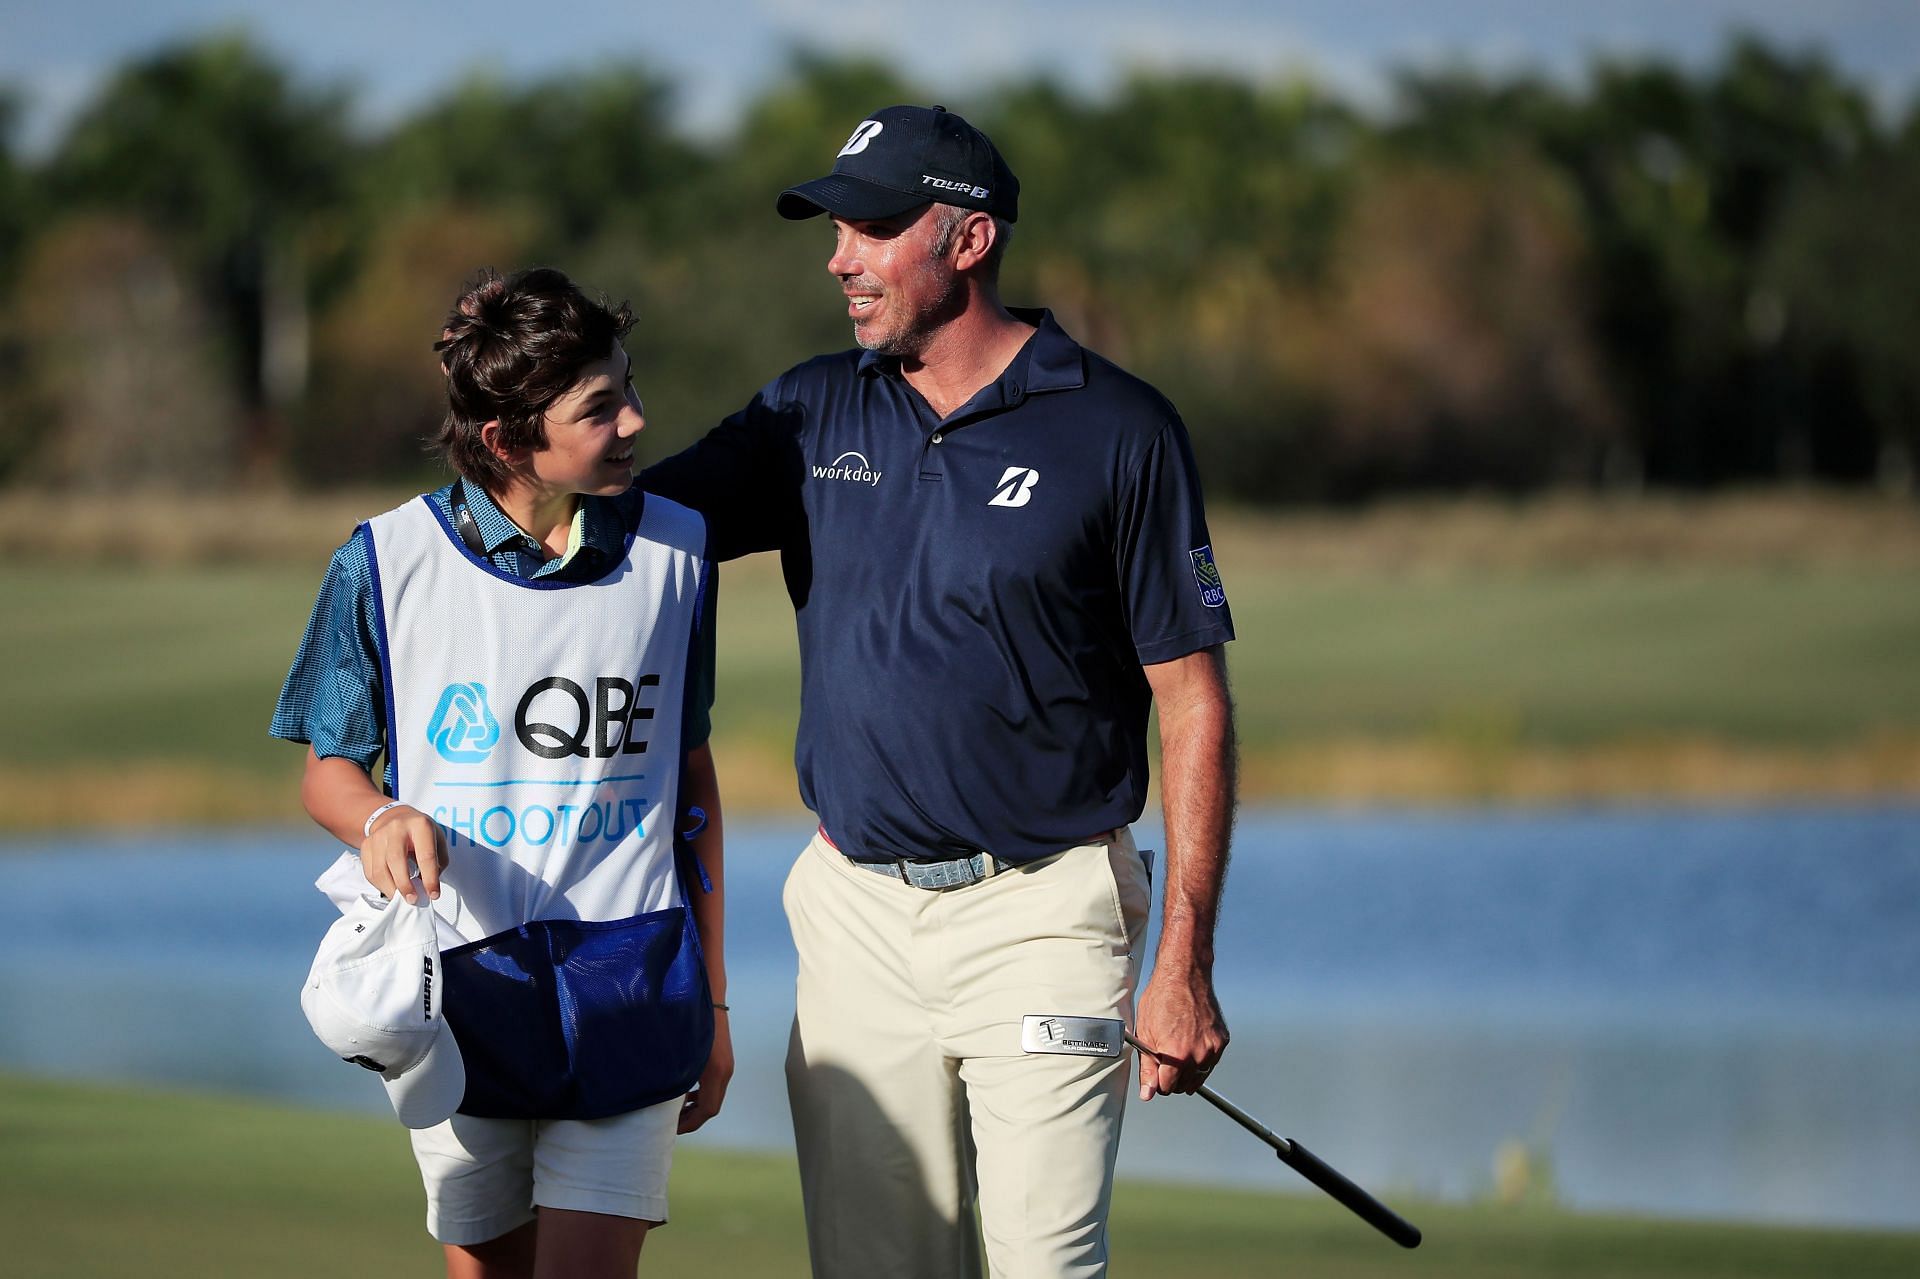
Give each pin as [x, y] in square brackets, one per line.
[703, 1103]
[403, 840]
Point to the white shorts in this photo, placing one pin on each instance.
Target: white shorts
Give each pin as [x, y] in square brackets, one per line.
[485, 1177]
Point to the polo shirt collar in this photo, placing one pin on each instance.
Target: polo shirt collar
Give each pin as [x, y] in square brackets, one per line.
[596, 526]
[599, 526]
[1054, 361]
[496, 530]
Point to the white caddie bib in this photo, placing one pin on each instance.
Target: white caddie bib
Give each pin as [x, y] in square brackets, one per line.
[539, 723]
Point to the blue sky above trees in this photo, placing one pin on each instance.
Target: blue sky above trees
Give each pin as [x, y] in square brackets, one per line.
[719, 52]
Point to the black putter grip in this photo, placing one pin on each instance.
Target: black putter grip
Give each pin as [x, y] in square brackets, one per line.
[1359, 1202]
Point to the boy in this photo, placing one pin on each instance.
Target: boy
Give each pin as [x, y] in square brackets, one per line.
[531, 650]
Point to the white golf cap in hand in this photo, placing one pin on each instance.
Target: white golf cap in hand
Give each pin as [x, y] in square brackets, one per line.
[375, 997]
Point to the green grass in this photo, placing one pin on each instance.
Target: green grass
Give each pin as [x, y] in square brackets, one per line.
[106, 1182]
[1798, 657]
[1573, 650]
[183, 663]
[176, 663]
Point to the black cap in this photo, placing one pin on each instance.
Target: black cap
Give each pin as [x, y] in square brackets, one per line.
[903, 157]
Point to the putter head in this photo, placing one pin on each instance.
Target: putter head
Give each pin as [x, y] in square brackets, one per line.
[1062, 1035]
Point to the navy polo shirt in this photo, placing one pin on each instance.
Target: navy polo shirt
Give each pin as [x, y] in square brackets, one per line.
[976, 594]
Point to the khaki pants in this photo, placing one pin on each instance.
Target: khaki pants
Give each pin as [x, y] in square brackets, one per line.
[911, 1096]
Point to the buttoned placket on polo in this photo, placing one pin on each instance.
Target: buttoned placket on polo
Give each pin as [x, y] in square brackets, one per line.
[1001, 395]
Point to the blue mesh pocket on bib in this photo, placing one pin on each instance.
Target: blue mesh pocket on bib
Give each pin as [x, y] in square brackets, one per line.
[564, 1019]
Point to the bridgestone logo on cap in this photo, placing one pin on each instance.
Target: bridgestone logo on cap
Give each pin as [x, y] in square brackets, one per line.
[867, 132]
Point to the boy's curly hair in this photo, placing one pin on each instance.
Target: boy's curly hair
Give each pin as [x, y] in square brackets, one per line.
[510, 348]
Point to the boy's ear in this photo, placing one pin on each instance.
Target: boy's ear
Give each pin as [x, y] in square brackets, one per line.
[490, 436]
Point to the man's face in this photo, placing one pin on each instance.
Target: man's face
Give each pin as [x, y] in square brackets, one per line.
[898, 290]
[590, 431]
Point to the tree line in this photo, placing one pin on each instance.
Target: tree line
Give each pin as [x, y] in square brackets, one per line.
[1654, 276]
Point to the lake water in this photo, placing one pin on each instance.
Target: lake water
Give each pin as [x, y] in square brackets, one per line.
[1690, 1012]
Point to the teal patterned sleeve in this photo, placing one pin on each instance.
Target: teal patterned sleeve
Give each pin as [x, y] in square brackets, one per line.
[332, 697]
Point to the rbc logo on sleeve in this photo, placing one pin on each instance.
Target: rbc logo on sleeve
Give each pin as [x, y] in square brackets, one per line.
[1213, 593]
[463, 728]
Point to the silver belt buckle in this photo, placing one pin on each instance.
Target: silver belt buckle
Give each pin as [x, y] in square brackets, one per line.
[957, 872]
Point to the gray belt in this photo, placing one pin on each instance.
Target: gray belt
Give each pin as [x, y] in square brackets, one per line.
[955, 872]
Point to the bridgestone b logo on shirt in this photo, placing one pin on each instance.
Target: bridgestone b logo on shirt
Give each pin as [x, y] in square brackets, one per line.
[1015, 487]
[849, 468]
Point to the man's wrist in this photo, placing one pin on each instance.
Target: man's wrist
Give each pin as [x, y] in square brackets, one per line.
[1188, 946]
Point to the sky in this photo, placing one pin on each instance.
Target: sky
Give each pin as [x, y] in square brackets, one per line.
[719, 53]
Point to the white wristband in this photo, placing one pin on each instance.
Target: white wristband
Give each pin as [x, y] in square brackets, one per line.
[366, 832]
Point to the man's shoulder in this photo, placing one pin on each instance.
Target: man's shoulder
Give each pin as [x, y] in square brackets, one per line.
[812, 378]
[1131, 400]
[1057, 361]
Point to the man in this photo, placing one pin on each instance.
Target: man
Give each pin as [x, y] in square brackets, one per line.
[998, 558]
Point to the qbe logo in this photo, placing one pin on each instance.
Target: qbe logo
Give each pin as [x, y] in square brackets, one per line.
[556, 719]
[463, 728]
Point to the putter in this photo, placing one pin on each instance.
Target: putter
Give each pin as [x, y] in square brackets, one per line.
[1314, 1169]
[1093, 1037]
